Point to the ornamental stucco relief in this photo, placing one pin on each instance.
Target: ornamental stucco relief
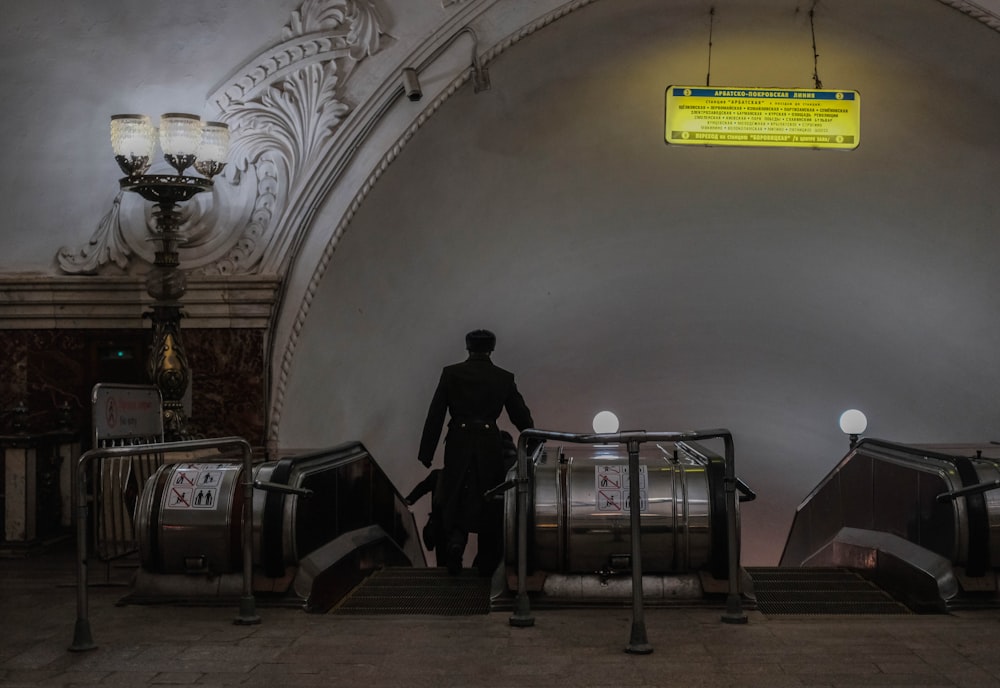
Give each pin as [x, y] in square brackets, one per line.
[282, 107]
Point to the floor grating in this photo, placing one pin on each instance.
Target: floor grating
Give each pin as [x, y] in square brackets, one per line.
[430, 591]
[819, 591]
[777, 591]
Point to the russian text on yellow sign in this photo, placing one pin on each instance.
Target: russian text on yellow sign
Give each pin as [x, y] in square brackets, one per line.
[763, 117]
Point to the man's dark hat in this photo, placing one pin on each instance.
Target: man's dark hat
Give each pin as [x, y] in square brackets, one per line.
[480, 341]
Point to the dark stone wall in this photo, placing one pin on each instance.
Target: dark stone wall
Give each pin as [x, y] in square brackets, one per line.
[229, 383]
[50, 374]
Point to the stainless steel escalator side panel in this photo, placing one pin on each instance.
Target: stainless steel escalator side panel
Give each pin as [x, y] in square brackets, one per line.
[580, 517]
[190, 518]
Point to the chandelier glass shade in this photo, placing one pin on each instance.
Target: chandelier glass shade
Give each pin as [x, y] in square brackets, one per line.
[212, 149]
[184, 139]
[180, 135]
[133, 138]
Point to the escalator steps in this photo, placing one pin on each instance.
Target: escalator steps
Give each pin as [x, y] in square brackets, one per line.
[819, 591]
[404, 590]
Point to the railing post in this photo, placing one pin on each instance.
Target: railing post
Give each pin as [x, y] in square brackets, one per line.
[248, 609]
[82, 638]
[734, 605]
[637, 644]
[522, 607]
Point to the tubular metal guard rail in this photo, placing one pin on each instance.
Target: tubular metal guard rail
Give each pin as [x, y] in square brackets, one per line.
[82, 638]
[637, 643]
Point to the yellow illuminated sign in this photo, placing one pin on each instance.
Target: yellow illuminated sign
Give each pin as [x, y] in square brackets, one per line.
[763, 117]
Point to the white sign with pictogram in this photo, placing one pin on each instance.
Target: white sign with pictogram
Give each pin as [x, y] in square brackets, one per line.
[196, 486]
[613, 489]
[127, 411]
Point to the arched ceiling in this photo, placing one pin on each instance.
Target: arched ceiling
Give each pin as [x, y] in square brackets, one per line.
[764, 291]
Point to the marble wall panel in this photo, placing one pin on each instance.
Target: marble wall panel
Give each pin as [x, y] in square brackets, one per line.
[46, 378]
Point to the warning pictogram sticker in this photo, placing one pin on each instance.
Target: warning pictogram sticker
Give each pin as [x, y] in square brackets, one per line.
[185, 477]
[180, 497]
[205, 498]
[210, 478]
[613, 489]
[609, 500]
[196, 486]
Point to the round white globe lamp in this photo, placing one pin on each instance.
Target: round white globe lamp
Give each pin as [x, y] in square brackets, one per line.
[853, 422]
[605, 422]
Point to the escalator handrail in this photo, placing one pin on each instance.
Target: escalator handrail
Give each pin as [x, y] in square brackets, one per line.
[911, 450]
[978, 488]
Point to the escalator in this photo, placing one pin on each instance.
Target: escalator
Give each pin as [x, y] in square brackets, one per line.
[577, 543]
[892, 528]
[920, 522]
[322, 522]
[331, 533]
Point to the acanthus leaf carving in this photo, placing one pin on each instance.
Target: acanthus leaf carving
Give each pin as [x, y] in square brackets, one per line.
[361, 17]
[274, 138]
[107, 243]
[296, 116]
[364, 38]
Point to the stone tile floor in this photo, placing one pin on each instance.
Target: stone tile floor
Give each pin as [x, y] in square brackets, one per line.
[173, 645]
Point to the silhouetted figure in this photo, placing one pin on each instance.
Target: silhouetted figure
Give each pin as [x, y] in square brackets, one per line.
[473, 393]
[433, 533]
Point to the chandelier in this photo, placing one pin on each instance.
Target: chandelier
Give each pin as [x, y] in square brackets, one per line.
[186, 141]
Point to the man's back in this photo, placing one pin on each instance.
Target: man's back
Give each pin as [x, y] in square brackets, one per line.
[478, 389]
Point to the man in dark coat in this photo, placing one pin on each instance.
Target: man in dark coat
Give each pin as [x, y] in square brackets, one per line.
[473, 393]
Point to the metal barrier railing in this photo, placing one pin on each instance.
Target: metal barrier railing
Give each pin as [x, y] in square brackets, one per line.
[82, 638]
[638, 642]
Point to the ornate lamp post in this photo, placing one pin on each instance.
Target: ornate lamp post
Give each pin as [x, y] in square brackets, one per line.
[185, 141]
